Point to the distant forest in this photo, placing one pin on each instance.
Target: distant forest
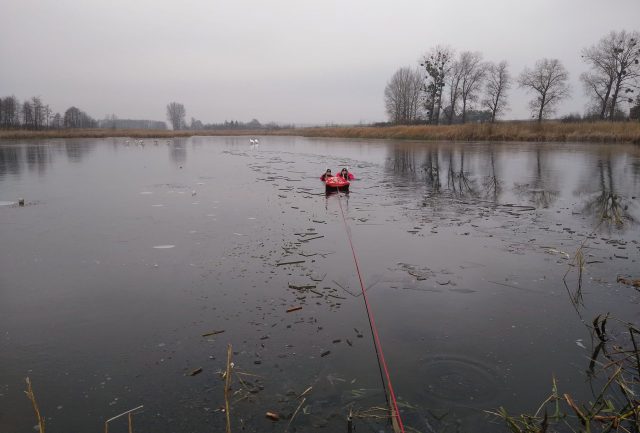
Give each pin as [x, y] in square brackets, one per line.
[34, 114]
[176, 114]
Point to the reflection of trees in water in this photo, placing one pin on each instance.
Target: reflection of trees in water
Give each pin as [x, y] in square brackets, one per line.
[492, 184]
[607, 206]
[459, 181]
[404, 162]
[38, 157]
[540, 190]
[436, 162]
[10, 160]
[432, 171]
[178, 150]
[76, 150]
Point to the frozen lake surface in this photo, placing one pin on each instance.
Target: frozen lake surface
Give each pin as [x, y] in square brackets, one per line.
[127, 261]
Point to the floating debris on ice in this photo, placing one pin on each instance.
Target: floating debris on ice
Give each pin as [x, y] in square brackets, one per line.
[163, 247]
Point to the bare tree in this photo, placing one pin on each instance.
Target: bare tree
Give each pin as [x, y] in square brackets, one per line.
[548, 82]
[498, 82]
[72, 117]
[473, 71]
[437, 64]
[10, 112]
[27, 115]
[76, 118]
[598, 88]
[48, 113]
[453, 82]
[176, 115]
[38, 112]
[402, 96]
[614, 71]
[56, 121]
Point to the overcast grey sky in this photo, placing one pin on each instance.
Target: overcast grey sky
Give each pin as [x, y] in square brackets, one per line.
[302, 61]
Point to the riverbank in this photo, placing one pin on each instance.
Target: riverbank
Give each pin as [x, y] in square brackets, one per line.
[596, 132]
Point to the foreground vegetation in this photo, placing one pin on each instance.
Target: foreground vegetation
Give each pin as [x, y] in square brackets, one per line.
[612, 372]
[597, 132]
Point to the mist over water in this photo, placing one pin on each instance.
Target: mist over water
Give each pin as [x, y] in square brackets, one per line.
[127, 261]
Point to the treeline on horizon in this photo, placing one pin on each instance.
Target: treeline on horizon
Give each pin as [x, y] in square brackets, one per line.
[452, 88]
[176, 114]
[34, 115]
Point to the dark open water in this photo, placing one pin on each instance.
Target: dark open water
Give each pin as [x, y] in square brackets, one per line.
[125, 255]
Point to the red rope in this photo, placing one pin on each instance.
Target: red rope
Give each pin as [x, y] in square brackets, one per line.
[372, 322]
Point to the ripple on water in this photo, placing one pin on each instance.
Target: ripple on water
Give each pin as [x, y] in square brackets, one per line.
[457, 379]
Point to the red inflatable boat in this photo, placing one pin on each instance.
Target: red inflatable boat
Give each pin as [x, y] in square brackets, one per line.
[336, 183]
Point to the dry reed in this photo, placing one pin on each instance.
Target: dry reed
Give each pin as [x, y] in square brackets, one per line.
[227, 381]
[129, 414]
[551, 131]
[31, 395]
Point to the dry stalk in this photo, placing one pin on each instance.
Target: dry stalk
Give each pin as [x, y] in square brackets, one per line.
[36, 409]
[295, 413]
[130, 414]
[227, 382]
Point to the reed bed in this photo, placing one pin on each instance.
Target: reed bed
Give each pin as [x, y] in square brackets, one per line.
[600, 132]
[551, 131]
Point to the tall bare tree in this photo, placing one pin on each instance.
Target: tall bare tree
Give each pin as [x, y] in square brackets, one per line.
[27, 115]
[10, 112]
[498, 82]
[548, 83]
[453, 82]
[437, 64]
[38, 112]
[56, 121]
[402, 96]
[48, 113]
[473, 71]
[614, 71]
[176, 115]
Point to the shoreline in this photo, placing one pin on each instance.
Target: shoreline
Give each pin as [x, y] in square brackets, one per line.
[558, 132]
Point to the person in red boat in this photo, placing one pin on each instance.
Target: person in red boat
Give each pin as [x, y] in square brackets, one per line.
[326, 174]
[344, 173]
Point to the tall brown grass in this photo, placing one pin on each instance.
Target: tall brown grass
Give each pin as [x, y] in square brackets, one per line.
[599, 132]
[608, 132]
